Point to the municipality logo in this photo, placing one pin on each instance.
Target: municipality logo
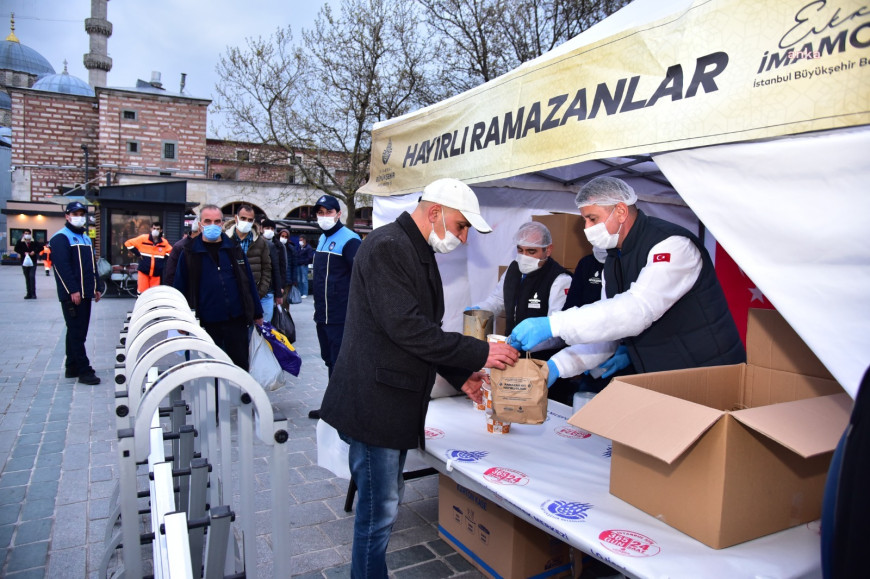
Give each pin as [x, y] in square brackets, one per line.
[566, 510]
[385, 156]
[466, 455]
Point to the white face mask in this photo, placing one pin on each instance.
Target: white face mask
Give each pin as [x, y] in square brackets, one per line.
[325, 222]
[600, 254]
[446, 245]
[26, 237]
[155, 233]
[194, 227]
[599, 237]
[283, 240]
[77, 220]
[244, 226]
[269, 233]
[527, 263]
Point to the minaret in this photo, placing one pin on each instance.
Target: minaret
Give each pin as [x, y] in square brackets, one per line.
[99, 29]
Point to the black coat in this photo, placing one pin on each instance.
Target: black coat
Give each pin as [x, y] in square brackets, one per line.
[393, 342]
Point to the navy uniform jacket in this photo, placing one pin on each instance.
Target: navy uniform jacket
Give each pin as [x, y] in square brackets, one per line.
[75, 265]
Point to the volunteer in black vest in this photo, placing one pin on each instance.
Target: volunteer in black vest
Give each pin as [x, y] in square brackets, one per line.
[662, 303]
[533, 285]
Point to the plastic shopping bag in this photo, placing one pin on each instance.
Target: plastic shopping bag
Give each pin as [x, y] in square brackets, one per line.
[27, 262]
[104, 268]
[282, 349]
[264, 367]
[283, 322]
[294, 296]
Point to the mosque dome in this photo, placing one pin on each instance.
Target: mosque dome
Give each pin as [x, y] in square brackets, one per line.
[17, 57]
[64, 83]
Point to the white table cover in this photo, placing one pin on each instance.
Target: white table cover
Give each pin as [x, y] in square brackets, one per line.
[556, 476]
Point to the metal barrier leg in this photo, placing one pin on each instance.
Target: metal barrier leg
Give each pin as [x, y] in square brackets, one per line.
[184, 458]
[196, 510]
[216, 545]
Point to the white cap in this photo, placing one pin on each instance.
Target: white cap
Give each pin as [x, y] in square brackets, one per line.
[457, 195]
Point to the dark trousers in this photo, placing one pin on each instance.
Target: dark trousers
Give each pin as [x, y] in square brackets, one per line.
[231, 336]
[30, 280]
[329, 336]
[77, 318]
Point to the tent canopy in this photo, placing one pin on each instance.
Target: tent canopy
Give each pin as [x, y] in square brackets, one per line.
[754, 114]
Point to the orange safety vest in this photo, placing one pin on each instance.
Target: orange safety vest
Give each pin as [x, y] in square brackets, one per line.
[152, 254]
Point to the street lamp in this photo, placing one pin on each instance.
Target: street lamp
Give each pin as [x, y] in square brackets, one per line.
[85, 182]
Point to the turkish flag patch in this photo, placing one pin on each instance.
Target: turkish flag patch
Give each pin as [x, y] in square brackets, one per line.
[661, 257]
[566, 291]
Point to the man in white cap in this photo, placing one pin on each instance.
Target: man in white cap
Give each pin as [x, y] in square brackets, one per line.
[661, 302]
[378, 394]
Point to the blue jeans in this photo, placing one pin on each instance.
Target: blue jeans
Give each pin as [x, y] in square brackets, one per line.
[268, 303]
[302, 279]
[377, 472]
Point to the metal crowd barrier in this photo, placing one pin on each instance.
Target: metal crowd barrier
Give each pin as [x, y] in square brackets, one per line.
[194, 523]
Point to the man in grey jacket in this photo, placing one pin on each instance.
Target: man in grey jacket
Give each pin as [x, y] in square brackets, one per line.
[378, 394]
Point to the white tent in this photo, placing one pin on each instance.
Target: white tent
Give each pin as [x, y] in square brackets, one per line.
[767, 149]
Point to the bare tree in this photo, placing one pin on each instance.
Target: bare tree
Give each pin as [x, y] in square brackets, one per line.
[315, 104]
[482, 39]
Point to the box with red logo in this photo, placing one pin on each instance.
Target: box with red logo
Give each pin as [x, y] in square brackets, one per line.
[569, 242]
[495, 541]
[726, 454]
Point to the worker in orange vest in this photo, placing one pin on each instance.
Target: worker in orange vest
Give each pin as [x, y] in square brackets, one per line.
[151, 250]
[46, 259]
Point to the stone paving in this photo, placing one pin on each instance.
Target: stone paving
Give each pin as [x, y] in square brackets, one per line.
[58, 462]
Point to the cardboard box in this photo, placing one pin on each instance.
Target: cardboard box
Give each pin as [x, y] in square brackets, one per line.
[569, 242]
[726, 454]
[495, 541]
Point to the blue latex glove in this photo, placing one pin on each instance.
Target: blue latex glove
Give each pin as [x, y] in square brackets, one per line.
[617, 362]
[554, 373]
[530, 332]
[471, 308]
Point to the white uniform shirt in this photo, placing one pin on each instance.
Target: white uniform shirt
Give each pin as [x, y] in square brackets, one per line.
[672, 268]
[558, 295]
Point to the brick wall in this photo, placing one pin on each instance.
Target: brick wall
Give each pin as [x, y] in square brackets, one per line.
[159, 120]
[48, 132]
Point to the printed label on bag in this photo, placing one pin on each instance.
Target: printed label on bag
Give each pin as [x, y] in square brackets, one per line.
[628, 543]
[506, 476]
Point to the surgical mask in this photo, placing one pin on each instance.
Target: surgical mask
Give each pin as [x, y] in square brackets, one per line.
[269, 234]
[155, 233]
[600, 254]
[284, 240]
[599, 237]
[244, 226]
[26, 237]
[211, 232]
[78, 220]
[194, 227]
[527, 263]
[446, 245]
[325, 222]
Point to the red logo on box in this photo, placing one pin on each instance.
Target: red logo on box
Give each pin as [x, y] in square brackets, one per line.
[628, 543]
[661, 257]
[571, 432]
[434, 433]
[506, 476]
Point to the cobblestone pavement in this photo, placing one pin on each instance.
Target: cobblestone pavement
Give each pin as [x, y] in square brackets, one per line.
[58, 461]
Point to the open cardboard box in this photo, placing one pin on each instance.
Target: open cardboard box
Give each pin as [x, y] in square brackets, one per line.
[569, 240]
[726, 454]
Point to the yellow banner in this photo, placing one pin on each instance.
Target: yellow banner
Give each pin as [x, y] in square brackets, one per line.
[721, 71]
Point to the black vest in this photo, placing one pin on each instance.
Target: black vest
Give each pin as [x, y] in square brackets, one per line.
[534, 289]
[696, 331]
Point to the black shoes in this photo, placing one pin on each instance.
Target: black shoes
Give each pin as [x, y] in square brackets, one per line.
[71, 373]
[90, 378]
[314, 414]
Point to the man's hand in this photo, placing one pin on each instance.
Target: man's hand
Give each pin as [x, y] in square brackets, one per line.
[97, 296]
[617, 362]
[76, 298]
[501, 355]
[259, 322]
[530, 332]
[473, 386]
[279, 301]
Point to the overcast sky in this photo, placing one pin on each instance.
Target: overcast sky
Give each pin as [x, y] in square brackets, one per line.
[169, 36]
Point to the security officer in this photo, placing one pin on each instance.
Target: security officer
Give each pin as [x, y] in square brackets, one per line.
[75, 271]
[152, 251]
[333, 261]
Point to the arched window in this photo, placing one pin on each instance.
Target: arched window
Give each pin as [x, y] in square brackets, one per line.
[230, 210]
[305, 212]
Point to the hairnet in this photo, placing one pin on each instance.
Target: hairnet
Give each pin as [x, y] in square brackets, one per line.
[533, 234]
[605, 191]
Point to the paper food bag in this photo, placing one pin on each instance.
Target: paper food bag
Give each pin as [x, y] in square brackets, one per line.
[519, 392]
